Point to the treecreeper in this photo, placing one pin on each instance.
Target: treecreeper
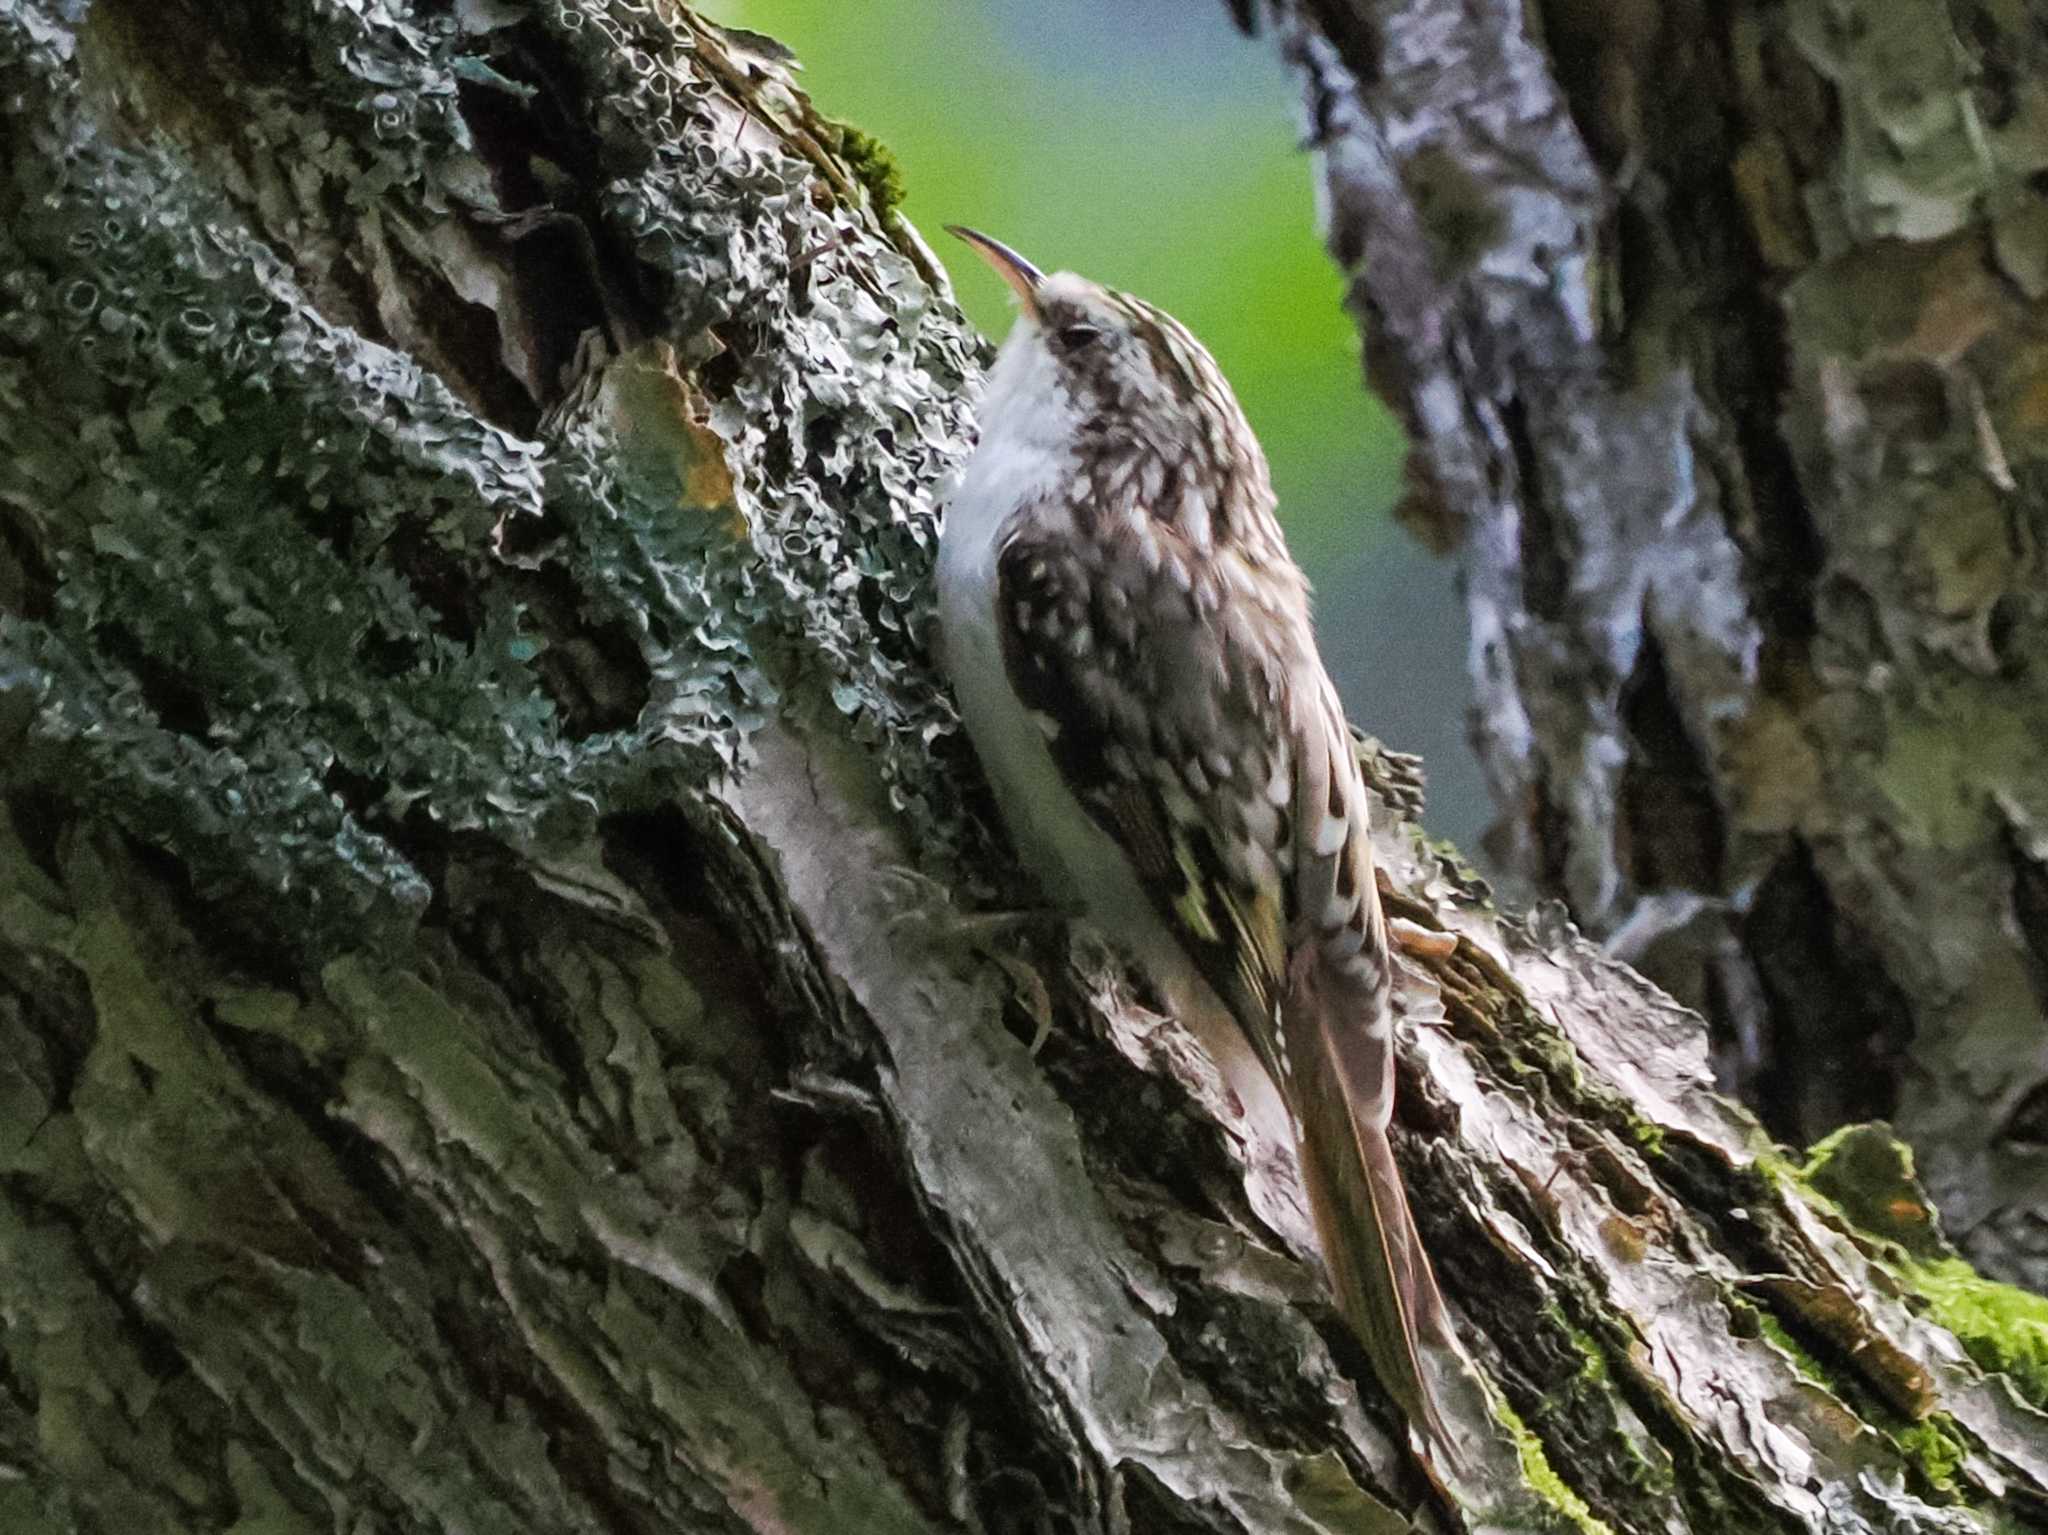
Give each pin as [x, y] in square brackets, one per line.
[1131, 646]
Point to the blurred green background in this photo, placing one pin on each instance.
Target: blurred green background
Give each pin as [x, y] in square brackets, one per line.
[1150, 145]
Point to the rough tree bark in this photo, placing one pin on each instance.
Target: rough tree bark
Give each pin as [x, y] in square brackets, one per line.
[1723, 334]
[482, 1043]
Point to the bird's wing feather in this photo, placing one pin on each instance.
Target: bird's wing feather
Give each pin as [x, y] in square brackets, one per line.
[1111, 662]
[1142, 665]
[1337, 1033]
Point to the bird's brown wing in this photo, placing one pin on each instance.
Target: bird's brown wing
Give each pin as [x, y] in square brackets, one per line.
[1216, 756]
[1138, 732]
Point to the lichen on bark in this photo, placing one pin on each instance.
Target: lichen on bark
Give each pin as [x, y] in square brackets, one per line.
[481, 1040]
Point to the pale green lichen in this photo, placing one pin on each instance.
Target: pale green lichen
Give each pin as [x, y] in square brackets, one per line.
[273, 634]
[1918, 157]
[259, 501]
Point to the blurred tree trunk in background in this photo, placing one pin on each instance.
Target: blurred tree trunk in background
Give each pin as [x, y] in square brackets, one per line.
[473, 1052]
[1722, 332]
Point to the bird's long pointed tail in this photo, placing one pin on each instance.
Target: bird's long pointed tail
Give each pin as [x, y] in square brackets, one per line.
[1339, 1046]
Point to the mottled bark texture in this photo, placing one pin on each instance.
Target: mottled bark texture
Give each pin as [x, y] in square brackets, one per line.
[485, 1044]
[1723, 333]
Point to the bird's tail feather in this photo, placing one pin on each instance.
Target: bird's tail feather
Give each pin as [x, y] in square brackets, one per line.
[1340, 1070]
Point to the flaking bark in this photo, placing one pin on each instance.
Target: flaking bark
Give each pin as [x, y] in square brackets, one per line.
[484, 1041]
[1722, 330]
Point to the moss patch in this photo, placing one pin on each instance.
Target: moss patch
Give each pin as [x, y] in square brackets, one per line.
[2003, 1327]
[1938, 1453]
[1543, 1480]
[1776, 1331]
[1869, 1175]
[874, 167]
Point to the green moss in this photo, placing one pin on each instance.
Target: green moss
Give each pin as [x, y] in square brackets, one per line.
[1770, 1161]
[874, 167]
[2003, 1327]
[1868, 1174]
[1544, 1481]
[1931, 1445]
[1559, 1061]
[1864, 1178]
[1824, 1151]
[1809, 1367]
[1592, 1358]
[1937, 1452]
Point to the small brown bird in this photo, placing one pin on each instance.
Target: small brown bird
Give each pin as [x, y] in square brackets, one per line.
[1131, 647]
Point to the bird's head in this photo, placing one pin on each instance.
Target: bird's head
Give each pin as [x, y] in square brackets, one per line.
[1089, 369]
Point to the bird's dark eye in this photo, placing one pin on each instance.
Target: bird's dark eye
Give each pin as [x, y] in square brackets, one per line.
[1073, 337]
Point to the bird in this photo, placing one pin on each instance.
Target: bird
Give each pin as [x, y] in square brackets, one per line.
[1130, 645]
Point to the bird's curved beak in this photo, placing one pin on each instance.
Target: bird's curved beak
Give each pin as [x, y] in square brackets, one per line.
[1011, 267]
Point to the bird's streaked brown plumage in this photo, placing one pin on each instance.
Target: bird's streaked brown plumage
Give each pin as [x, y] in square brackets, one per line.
[1132, 648]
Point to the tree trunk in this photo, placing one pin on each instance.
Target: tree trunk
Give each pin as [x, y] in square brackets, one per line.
[1723, 333]
[487, 1043]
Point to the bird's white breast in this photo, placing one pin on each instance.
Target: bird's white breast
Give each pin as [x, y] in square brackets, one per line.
[1021, 475]
[1047, 822]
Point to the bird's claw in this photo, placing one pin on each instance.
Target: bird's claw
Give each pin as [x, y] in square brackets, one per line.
[926, 911]
[928, 917]
[976, 932]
